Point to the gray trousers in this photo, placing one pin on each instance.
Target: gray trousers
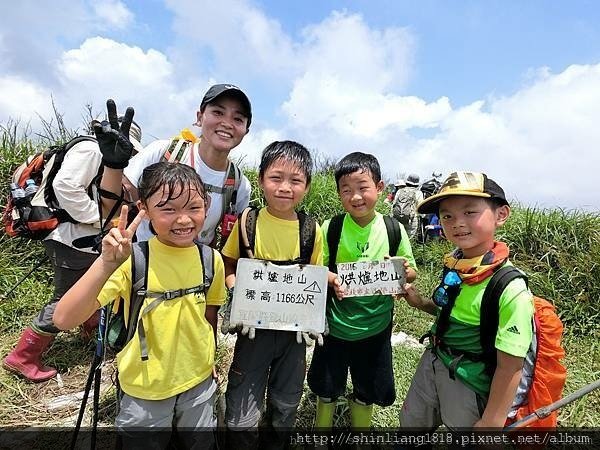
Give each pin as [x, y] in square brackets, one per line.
[68, 265]
[273, 360]
[147, 424]
[434, 398]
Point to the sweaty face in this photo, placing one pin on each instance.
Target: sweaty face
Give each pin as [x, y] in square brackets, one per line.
[284, 186]
[359, 194]
[470, 223]
[223, 124]
[178, 221]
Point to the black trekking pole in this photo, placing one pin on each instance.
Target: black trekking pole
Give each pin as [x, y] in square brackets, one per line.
[38, 264]
[93, 376]
[545, 411]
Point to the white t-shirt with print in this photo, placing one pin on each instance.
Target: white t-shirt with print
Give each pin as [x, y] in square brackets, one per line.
[153, 153]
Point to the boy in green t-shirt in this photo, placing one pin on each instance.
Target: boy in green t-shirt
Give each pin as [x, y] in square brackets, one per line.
[359, 327]
[452, 384]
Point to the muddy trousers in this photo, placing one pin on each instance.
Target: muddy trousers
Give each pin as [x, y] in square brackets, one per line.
[273, 362]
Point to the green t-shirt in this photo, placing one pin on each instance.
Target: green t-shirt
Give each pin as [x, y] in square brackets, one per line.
[514, 334]
[356, 318]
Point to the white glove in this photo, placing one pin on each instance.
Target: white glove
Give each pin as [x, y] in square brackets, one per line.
[303, 335]
[248, 330]
[311, 336]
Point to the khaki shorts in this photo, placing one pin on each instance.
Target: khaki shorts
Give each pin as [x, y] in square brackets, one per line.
[147, 424]
[434, 398]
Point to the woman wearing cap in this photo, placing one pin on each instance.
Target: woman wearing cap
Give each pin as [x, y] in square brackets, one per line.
[224, 116]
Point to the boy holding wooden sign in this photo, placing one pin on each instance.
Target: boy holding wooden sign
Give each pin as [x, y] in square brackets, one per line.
[360, 327]
[266, 357]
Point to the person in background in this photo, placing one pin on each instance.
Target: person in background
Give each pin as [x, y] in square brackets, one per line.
[79, 169]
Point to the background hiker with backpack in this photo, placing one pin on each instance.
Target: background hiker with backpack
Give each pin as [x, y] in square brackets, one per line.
[224, 116]
[404, 206]
[166, 369]
[482, 361]
[68, 191]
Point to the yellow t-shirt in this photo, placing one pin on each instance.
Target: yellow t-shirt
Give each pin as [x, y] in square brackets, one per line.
[179, 339]
[275, 240]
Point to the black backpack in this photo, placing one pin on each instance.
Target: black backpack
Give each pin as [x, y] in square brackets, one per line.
[334, 232]
[118, 334]
[247, 233]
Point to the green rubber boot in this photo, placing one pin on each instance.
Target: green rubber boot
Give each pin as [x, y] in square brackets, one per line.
[324, 416]
[360, 414]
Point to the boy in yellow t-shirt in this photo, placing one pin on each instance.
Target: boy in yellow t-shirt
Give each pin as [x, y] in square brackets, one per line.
[270, 358]
[166, 378]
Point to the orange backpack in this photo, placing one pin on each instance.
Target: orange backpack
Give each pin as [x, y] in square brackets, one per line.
[543, 376]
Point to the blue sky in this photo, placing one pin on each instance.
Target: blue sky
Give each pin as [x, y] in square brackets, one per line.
[507, 87]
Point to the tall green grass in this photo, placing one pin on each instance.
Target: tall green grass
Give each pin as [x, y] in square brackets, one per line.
[560, 250]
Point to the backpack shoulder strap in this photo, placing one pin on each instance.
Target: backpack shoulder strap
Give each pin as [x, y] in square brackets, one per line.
[177, 150]
[490, 311]
[247, 232]
[334, 233]
[208, 264]
[393, 233]
[232, 184]
[59, 152]
[307, 227]
[139, 284]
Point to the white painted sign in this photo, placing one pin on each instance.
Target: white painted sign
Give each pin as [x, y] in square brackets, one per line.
[291, 298]
[372, 277]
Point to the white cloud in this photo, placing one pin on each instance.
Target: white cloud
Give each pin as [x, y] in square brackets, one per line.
[21, 99]
[539, 143]
[235, 37]
[102, 62]
[113, 13]
[340, 85]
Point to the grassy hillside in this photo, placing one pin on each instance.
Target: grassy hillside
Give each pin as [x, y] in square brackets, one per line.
[560, 250]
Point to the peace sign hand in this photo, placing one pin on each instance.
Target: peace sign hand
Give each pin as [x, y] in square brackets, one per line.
[116, 245]
[113, 140]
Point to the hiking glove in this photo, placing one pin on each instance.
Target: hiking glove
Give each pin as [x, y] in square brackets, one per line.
[248, 330]
[113, 139]
[319, 336]
[225, 312]
[303, 335]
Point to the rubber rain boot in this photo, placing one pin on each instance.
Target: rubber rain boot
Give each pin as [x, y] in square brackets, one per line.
[360, 415]
[324, 415]
[25, 358]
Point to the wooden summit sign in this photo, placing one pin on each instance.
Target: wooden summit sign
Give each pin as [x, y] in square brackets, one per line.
[372, 277]
[269, 296]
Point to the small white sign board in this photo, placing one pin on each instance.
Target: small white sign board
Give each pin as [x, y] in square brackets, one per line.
[290, 298]
[372, 277]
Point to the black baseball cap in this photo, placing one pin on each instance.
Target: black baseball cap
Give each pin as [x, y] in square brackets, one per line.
[471, 184]
[231, 90]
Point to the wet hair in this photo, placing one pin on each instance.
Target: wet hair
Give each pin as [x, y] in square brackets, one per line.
[357, 162]
[177, 178]
[287, 151]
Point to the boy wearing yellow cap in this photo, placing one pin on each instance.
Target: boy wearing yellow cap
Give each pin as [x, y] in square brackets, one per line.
[453, 384]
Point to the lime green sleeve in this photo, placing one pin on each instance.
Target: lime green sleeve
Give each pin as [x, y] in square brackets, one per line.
[515, 329]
